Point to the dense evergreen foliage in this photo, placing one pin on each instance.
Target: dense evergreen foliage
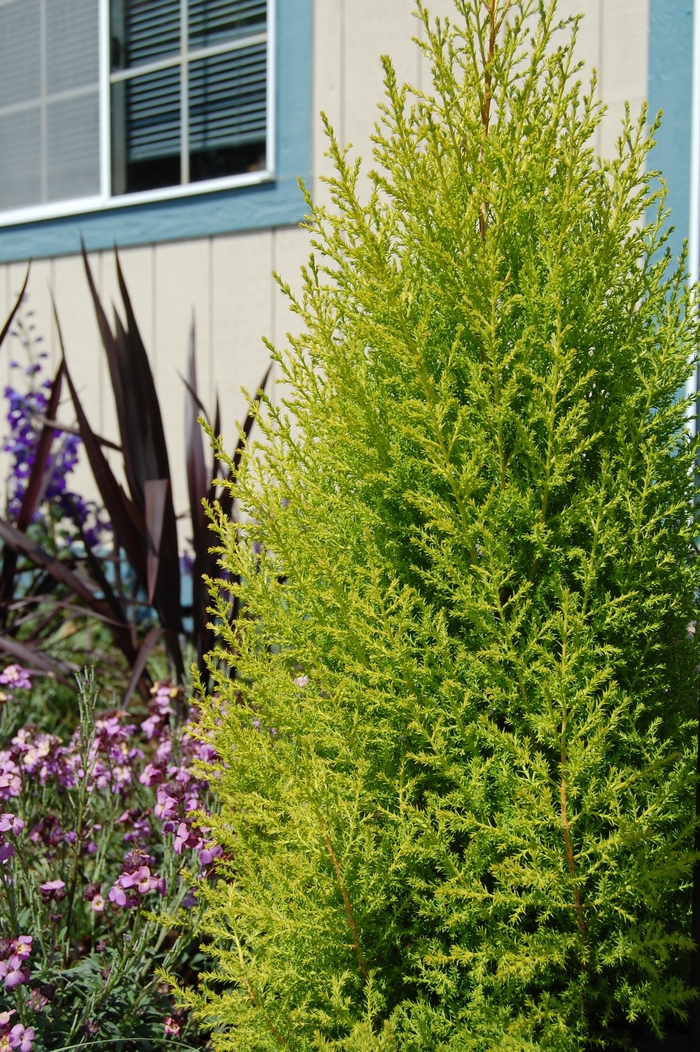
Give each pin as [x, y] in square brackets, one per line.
[456, 771]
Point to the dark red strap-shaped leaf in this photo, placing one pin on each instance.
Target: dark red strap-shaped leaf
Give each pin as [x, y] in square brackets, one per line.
[195, 397]
[128, 526]
[140, 663]
[40, 557]
[31, 655]
[154, 456]
[65, 430]
[142, 372]
[120, 629]
[156, 495]
[117, 377]
[6, 327]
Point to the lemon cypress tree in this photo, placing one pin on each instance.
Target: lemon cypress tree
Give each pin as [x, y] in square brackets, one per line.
[455, 723]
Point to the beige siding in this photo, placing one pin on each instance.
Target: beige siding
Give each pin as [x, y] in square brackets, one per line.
[226, 283]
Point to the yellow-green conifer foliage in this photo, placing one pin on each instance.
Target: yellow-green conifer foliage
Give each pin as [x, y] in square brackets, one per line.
[456, 752]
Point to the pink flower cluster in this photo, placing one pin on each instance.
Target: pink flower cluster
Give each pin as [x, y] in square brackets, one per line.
[9, 823]
[19, 1036]
[14, 953]
[178, 791]
[136, 880]
[16, 676]
[43, 756]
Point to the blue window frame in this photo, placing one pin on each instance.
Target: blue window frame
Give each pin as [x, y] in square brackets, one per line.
[261, 198]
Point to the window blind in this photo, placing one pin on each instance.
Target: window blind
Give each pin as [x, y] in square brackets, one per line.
[49, 90]
[222, 97]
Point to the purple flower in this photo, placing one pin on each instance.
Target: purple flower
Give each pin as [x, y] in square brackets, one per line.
[16, 676]
[13, 971]
[184, 837]
[10, 779]
[6, 852]
[53, 890]
[36, 1000]
[11, 824]
[151, 725]
[209, 852]
[171, 1026]
[23, 946]
[117, 895]
[166, 805]
[22, 1037]
[151, 775]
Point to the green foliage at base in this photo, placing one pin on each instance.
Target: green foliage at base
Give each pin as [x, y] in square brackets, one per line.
[456, 757]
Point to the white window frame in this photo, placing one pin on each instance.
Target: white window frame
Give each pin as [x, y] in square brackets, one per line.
[105, 200]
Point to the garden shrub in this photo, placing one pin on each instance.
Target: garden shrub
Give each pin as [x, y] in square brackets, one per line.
[456, 751]
[98, 858]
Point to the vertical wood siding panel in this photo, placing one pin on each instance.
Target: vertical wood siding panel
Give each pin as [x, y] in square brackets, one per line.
[242, 316]
[328, 85]
[181, 287]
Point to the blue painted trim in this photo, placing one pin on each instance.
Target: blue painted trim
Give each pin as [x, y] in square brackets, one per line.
[670, 90]
[277, 203]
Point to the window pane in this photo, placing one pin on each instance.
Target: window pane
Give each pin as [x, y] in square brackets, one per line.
[211, 21]
[146, 132]
[228, 113]
[20, 159]
[143, 31]
[71, 44]
[19, 52]
[73, 147]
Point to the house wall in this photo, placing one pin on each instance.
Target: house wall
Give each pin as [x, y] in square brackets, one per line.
[225, 282]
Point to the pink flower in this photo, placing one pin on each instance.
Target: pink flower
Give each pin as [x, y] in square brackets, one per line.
[10, 824]
[23, 946]
[166, 805]
[117, 895]
[22, 1037]
[5, 1017]
[16, 676]
[97, 903]
[151, 775]
[209, 852]
[36, 1000]
[53, 890]
[171, 1026]
[150, 726]
[301, 681]
[10, 778]
[184, 837]
[13, 972]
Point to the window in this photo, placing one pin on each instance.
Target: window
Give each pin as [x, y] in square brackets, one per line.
[108, 101]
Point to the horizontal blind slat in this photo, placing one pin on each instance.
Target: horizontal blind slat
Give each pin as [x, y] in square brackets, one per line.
[228, 99]
[214, 21]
